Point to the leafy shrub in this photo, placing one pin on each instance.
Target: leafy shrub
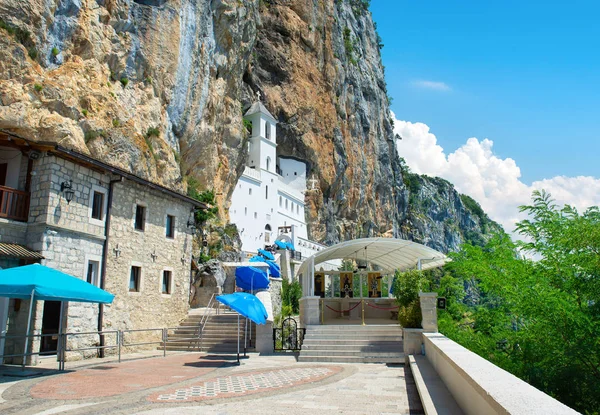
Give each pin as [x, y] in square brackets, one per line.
[33, 53]
[124, 81]
[38, 87]
[290, 295]
[153, 132]
[55, 51]
[406, 287]
[206, 196]
[116, 123]
[84, 112]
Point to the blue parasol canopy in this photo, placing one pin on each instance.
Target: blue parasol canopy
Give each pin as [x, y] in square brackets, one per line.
[251, 278]
[266, 254]
[274, 268]
[247, 305]
[290, 246]
[281, 244]
[44, 283]
[257, 258]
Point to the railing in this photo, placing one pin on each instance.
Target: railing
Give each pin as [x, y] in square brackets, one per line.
[120, 340]
[14, 204]
[210, 306]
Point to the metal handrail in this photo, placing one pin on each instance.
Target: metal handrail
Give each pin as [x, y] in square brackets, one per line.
[205, 318]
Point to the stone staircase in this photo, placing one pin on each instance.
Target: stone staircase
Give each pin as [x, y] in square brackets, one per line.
[219, 336]
[353, 344]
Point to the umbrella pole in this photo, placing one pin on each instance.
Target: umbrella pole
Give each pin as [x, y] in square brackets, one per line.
[245, 334]
[28, 327]
[59, 349]
[238, 342]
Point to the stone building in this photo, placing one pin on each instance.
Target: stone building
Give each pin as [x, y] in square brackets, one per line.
[97, 222]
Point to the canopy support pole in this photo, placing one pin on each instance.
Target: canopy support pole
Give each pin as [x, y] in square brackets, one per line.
[28, 327]
[245, 335]
[61, 346]
[238, 342]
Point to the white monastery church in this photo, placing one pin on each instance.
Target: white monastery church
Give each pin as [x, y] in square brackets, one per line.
[268, 201]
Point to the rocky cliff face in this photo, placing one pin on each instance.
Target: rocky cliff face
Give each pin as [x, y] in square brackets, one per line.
[158, 87]
[439, 217]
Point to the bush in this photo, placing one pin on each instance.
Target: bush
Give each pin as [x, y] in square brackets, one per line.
[291, 294]
[406, 287]
[55, 51]
[153, 132]
[124, 81]
[33, 53]
[116, 123]
[410, 316]
[84, 112]
[38, 87]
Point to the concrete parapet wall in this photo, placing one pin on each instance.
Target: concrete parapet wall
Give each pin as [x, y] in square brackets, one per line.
[480, 387]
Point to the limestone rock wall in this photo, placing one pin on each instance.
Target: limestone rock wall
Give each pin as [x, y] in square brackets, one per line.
[158, 87]
[439, 217]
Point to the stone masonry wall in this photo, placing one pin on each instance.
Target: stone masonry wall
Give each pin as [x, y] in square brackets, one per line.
[153, 252]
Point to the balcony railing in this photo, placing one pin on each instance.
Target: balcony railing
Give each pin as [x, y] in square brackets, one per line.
[14, 204]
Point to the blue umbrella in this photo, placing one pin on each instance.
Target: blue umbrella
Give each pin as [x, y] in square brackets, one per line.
[256, 258]
[274, 268]
[43, 283]
[281, 244]
[251, 278]
[38, 282]
[290, 246]
[247, 305]
[266, 254]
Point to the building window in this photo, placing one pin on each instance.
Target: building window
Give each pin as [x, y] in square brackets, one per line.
[140, 217]
[297, 209]
[286, 203]
[267, 130]
[250, 191]
[92, 275]
[170, 226]
[98, 205]
[134, 279]
[166, 282]
[266, 192]
[255, 215]
[245, 211]
[280, 201]
[268, 163]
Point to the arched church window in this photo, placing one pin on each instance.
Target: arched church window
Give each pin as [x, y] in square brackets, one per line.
[268, 163]
[268, 227]
[267, 130]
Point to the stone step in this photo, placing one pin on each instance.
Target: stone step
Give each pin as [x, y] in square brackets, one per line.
[350, 341]
[353, 348]
[362, 353]
[350, 359]
[315, 337]
[355, 327]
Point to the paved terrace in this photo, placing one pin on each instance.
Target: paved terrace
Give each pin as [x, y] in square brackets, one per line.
[191, 383]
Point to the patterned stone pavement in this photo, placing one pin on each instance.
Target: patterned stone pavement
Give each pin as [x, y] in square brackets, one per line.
[248, 383]
[195, 384]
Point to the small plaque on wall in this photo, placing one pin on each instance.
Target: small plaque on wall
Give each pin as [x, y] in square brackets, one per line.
[441, 303]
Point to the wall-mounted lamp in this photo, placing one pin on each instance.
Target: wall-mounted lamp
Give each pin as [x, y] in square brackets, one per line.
[191, 223]
[67, 188]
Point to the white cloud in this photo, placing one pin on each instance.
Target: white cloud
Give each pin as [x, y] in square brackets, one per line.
[494, 182]
[437, 86]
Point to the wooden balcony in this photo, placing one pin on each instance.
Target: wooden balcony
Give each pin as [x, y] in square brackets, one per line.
[14, 204]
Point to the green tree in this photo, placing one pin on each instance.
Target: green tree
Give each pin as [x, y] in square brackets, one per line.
[537, 318]
[406, 287]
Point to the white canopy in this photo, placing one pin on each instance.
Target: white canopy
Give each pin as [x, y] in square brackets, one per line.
[388, 253]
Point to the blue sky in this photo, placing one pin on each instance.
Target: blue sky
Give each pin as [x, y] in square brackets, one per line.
[525, 74]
